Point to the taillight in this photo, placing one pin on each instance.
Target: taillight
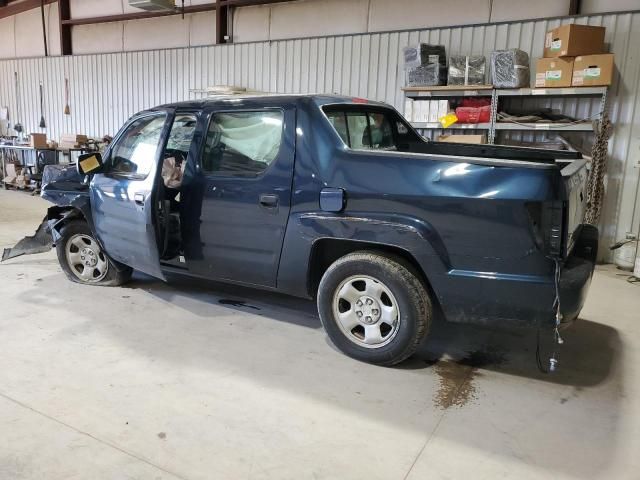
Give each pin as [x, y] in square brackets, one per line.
[552, 219]
[546, 220]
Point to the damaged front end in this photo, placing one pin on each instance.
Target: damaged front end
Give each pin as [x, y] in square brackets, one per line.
[40, 242]
[63, 186]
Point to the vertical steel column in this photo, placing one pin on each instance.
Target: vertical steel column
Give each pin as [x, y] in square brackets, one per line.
[64, 13]
[222, 22]
[494, 115]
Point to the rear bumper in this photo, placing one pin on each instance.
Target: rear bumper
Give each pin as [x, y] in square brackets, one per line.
[577, 272]
[521, 300]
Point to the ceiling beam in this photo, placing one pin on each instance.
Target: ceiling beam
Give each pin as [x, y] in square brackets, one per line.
[138, 15]
[178, 11]
[15, 8]
[66, 22]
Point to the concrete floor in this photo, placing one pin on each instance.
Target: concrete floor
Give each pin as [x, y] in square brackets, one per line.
[157, 381]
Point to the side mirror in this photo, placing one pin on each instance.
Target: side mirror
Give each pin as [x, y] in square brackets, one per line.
[90, 163]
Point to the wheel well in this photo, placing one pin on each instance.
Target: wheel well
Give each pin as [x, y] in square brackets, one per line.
[64, 215]
[327, 250]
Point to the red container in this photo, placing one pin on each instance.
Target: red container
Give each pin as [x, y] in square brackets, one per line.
[473, 114]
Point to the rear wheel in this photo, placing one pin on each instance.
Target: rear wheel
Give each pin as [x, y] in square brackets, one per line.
[83, 260]
[374, 308]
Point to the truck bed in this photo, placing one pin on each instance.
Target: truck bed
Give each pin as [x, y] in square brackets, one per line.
[495, 151]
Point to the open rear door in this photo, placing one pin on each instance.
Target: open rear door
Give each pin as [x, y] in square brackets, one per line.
[123, 198]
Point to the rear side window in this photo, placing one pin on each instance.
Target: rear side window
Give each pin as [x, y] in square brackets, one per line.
[363, 129]
[243, 143]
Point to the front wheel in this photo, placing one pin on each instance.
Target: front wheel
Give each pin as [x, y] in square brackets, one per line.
[374, 308]
[83, 260]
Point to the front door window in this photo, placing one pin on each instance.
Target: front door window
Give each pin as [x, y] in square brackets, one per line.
[134, 155]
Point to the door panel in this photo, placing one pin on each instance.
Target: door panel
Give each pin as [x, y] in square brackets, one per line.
[122, 200]
[247, 168]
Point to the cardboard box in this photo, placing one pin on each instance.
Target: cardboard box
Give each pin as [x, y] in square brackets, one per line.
[408, 109]
[417, 109]
[593, 70]
[478, 139]
[443, 108]
[433, 111]
[74, 138]
[422, 112]
[573, 40]
[11, 172]
[39, 140]
[554, 72]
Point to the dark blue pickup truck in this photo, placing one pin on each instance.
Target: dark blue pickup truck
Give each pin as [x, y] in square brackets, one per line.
[337, 199]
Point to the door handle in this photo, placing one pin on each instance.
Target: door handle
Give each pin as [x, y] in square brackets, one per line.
[268, 200]
[139, 198]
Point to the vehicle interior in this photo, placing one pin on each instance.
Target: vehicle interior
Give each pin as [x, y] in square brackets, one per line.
[238, 144]
[174, 160]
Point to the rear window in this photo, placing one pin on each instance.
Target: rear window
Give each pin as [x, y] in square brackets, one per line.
[365, 129]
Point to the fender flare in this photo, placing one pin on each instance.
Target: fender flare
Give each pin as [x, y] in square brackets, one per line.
[413, 235]
[59, 216]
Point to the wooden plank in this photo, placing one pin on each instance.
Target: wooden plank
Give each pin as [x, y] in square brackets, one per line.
[16, 8]
[138, 15]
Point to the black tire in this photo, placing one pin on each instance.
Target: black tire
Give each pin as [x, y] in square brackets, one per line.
[112, 277]
[413, 316]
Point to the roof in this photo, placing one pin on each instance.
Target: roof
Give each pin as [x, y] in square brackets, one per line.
[268, 99]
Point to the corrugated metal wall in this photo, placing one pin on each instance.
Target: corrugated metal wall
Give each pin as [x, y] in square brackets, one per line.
[106, 89]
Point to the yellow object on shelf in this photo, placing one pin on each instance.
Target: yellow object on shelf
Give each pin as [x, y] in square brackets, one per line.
[448, 120]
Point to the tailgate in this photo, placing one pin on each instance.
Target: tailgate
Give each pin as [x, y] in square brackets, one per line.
[575, 177]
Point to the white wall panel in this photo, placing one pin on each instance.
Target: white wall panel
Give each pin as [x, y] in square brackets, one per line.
[510, 10]
[318, 17]
[603, 6]
[251, 24]
[385, 15]
[27, 38]
[7, 38]
[107, 89]
[98, 38]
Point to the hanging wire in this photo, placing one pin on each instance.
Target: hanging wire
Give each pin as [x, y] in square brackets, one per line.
[553, 360]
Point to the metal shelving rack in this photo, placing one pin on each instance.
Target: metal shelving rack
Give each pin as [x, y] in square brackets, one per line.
[425, 93]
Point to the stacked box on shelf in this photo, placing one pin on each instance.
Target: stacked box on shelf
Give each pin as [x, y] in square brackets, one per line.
[593, 70]
[473, 138]
[574, 56]
[423, 54]
[571, 40]
[510, 68]
[408, 109]
[466, 70]
[426, 65]
[425, 111]
[554, 72]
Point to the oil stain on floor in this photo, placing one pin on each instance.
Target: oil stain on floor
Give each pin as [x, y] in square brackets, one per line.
[456, 377]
